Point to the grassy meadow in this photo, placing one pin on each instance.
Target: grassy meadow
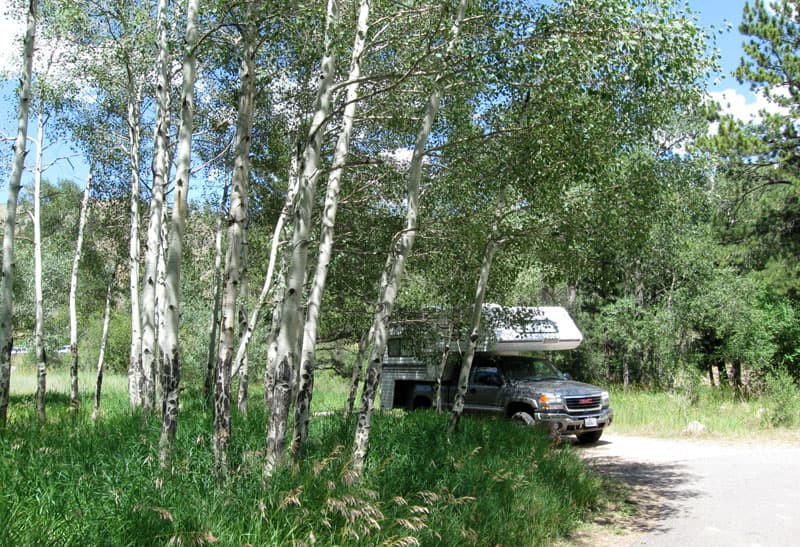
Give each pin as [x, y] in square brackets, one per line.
[723, 414]
[74, 482]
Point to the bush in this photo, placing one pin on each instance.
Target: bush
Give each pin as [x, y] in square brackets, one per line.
[783, 399]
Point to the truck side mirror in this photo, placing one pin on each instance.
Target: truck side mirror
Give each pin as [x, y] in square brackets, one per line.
[566, 376]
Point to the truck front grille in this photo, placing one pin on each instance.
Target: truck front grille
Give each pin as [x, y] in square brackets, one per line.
[591, 402]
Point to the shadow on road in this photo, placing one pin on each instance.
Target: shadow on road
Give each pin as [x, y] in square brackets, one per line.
[642, 493]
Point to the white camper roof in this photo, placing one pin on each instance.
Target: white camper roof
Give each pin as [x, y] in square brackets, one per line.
[524, 329]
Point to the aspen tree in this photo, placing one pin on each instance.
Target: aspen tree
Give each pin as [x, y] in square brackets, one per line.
[170, 354]
[213, 338]
[307, 353]
[74, 395]
[98, 385]
[38, 329]
[400, 251]
[7, 305]
[237, 227]
[134, 152]
[153, 249]
[292, 314]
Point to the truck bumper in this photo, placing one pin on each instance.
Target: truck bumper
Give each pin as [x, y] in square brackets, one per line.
[566, 424]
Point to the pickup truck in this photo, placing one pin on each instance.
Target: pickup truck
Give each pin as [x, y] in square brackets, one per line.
[519, 387]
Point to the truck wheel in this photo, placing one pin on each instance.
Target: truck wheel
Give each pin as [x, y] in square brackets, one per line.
[590, 437]
[523, 418]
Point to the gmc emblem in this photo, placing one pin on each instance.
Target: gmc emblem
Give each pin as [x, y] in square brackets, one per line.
[585, 401]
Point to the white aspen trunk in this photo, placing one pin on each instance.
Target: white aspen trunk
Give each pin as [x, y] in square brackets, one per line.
[74, 394]
[307, 353]
[211, 363]
[243, 364]
[98, 386]
[400, 252]
[161, 302]
[38, 329]
[149, 288]
[160, 168]
[234, 264]
[292, 313]
[169, 354]
[7, 306]
[280, 289]
[135, 138]
[492, 244]
[437, 386]
[272, 346]
[243, 372]
[363, 346]
[466, 362]
[369, 341]
[244, 341]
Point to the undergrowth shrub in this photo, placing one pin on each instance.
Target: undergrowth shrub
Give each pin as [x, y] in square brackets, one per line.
[783, 399]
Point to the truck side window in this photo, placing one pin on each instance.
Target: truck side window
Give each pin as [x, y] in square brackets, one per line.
[489, 376]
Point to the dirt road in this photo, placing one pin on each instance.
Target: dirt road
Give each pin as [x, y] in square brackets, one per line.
[699, 493]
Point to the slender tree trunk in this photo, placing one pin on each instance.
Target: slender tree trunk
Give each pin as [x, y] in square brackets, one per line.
[474, 328]
[437, 387]
[307, 362]
[98, 387]
[38, 329]
[160, 168]
[572, 297]
[272, 346]
[280, 288]
[161, 300]
[211, 365]
[626, 372]
[149, 289]
[401, 251]
[135, 138]
[244, 368]
[74, 394]
[244, 341]
[7, 307]
[363, 346]
[292, 314]
[234, 267]
[489, 252]
[169, 354]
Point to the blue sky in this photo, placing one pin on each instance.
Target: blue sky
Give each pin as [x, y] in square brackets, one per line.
[720, 14]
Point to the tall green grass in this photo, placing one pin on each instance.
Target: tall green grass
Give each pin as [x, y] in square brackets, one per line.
[723, 413]
[74, 482]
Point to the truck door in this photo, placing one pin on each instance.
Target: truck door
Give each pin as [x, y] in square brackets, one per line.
[483, 392]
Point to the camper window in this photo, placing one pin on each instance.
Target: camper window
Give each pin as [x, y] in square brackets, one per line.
[399, 347]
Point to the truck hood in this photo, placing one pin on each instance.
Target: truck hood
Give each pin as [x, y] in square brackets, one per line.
[567, 388]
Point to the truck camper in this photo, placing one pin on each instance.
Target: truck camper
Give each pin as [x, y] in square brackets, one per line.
[510, 374]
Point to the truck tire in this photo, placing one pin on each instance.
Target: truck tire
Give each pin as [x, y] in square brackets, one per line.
[523, 417]
[590, 437]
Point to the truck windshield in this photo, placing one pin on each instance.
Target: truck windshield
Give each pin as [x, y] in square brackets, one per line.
[526, 368]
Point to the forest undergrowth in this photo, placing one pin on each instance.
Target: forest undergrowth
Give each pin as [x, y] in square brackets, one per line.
[75, 482]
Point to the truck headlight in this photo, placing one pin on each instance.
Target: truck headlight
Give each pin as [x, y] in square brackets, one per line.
[604, 399]
[550, 401]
